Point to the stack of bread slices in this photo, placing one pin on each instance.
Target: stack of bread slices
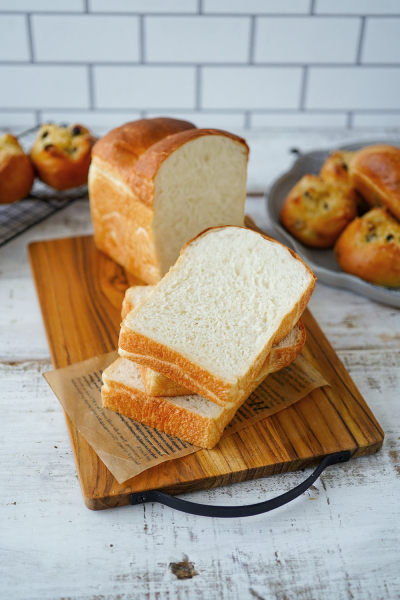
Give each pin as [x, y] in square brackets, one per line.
[193, 347]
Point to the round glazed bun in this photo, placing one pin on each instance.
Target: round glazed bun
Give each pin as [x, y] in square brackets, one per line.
[337, 165]
[16, 171]
[370, 248]
[316, 210]
[375, 173]
[61, 155]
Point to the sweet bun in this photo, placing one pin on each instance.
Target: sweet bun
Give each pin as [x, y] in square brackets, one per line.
[316, 210]
[336, 167]
[370, 248]
[62, 155]
[375, 173]
[16, 171]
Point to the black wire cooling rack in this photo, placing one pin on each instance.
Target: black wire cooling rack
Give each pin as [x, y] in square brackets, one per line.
[42, 201]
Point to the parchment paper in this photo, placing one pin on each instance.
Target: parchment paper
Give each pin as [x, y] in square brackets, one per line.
[127, 447]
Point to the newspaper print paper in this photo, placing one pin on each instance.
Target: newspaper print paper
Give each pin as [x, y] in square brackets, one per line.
[127, 447]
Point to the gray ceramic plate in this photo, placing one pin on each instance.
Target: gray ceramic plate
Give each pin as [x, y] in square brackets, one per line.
[323, 262]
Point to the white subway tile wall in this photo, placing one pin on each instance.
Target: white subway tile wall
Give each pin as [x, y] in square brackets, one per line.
[234, 64]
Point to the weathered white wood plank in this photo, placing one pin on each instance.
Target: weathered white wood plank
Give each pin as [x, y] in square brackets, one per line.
[339, 540]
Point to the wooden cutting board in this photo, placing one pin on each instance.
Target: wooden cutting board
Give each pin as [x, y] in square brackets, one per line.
[80, 292]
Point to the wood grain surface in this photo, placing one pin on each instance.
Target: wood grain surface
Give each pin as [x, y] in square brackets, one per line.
[80, 292]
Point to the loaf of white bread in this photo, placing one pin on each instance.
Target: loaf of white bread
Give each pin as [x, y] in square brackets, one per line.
[154, 184]
[212, 321]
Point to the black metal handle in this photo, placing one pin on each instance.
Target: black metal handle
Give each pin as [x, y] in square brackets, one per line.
[239, 511]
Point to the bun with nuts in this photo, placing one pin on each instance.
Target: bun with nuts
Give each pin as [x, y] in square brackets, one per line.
[375, 173]
[337, 166]
[62, 155]
[369, 248]
[16, 171]
[317, 210]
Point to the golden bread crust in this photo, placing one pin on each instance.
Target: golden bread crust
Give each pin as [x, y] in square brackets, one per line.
[161, 414]
[370, 248]
[122, 226]
[375, 173]
[179, 421]
[62, 155]
[159, 385]
[317, 210]
[120, 149]
[16, 170]
[337, 166]
[172, 364]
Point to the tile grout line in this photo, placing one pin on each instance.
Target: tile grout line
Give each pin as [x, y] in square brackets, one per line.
[252, 39]
[349, 123]
[198, 88]
[91, 88]
[360, 41]
[303, 91]
[142, 53]
[30, 38]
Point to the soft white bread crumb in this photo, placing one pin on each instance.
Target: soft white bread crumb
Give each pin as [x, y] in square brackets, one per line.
[202, 184]
[212, 320]
[133, 296]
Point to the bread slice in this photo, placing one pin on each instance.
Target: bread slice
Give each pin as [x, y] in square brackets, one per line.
[133, 296]
[156, 183]
[213, 319]
[285, 352]
[189, 417]
[157, 384]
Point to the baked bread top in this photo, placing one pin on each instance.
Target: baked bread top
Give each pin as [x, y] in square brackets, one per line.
[337, 166]
[135, 151]
[120, 149]
[375, 173]
[72, 141]
[9, 146]
[16, 170]
[370, 248]
[61, 155]
[317, 210]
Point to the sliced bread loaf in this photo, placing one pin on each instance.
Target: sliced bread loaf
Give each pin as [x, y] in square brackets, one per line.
[212, 321]
[189, 417]
[156, 183]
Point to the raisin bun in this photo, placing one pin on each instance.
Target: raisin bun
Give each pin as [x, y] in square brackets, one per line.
[16, 171]
[61, 155]
[375, 173]
[317, 210]
[337, 166]
[370, 248]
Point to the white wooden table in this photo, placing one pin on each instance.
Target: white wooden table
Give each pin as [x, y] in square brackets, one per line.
[339, 541]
